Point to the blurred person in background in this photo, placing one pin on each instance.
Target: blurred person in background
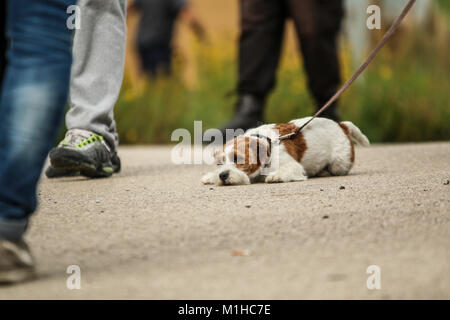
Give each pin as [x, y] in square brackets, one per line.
[90, 145]
[317, 24]
[32, 101]
[156, 30]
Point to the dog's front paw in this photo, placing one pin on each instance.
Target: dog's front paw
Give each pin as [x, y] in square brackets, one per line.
[274, 178]
[209, 178]
[278, 177]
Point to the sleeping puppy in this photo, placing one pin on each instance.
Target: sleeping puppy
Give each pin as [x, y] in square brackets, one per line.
[324, 147]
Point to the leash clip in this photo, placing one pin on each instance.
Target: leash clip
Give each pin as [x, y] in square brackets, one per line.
[287, 136]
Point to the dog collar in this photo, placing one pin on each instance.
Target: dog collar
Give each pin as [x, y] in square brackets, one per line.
[263, 137]
[260, 136]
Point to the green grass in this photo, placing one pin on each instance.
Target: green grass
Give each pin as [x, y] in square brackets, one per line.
[444, 5]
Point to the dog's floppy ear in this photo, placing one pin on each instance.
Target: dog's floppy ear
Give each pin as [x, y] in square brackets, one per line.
[218, 156]
[261, 148]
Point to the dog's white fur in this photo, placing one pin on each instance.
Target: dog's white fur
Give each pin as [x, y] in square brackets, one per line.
[328, 152]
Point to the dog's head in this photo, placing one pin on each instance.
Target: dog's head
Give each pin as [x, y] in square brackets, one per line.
[241, 160]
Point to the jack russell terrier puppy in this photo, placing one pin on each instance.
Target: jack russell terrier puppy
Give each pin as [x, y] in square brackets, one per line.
[324, 147]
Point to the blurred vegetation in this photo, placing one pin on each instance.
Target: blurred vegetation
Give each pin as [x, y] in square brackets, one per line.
[403, 96]
[443, 5]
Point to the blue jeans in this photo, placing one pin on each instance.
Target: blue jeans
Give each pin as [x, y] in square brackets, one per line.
[32, 102]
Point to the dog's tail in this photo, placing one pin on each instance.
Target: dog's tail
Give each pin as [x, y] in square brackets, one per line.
[357, 136]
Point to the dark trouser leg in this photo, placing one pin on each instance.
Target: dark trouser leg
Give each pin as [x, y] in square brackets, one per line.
[156, 59]
[317, 24]
[262, 26]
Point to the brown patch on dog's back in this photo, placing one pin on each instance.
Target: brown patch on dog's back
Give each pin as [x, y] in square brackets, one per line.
[347, 133]
[296, 146]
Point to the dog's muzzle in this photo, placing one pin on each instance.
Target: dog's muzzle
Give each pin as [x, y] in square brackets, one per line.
[224, 175]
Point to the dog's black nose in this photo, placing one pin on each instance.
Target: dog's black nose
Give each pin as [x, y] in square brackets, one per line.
[224, 175]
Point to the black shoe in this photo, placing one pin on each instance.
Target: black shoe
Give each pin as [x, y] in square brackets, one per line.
[82, 152]
[249, 114]
[16, 262]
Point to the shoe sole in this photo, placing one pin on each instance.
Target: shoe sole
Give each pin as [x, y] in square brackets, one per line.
[16, 276]
[52, 172]
[72, 161]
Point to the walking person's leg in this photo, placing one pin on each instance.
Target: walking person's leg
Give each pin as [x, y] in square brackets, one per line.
[317, 24]
[262, 28]
[32, 101]
[99, 57]
[156, 60]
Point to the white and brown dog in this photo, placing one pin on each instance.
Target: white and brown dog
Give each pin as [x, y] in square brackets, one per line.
[323, 147]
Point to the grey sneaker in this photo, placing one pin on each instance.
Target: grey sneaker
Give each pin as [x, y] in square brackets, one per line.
[82, 152]
[16, 262]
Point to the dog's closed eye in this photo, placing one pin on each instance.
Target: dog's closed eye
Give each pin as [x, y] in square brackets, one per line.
[219, 157]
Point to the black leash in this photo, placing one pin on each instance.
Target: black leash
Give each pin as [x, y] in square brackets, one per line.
[383, 41]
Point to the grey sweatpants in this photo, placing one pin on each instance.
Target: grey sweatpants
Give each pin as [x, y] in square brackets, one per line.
[97, 70]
